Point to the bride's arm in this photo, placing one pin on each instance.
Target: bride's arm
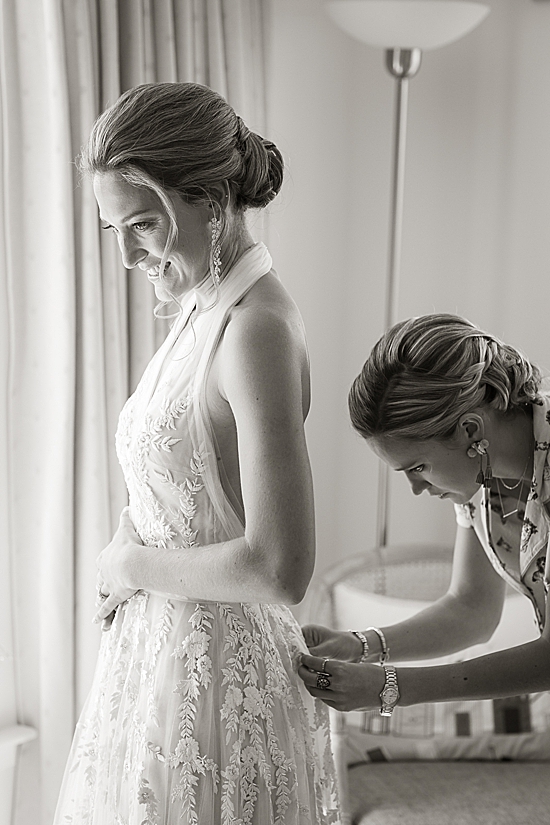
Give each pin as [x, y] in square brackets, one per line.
[261, 369]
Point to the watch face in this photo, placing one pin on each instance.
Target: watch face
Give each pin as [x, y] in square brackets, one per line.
[390, 695]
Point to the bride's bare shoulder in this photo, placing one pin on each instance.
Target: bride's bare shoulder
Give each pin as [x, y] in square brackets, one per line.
[267, 299]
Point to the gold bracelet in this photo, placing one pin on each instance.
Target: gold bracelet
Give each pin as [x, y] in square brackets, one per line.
[363, 639]
[385, 652]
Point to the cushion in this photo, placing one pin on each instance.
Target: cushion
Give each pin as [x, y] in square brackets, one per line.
[514, 728]
[450, 793]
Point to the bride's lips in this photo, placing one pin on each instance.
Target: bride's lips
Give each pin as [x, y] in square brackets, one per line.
[153, 272]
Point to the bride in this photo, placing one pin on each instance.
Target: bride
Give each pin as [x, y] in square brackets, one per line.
[196, 714]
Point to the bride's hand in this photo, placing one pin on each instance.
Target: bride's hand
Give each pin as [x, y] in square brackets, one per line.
[350, 686]
[112, 589]
[332, 644]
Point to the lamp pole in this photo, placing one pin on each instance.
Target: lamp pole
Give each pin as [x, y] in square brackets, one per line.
[430, 24]
[402, 64]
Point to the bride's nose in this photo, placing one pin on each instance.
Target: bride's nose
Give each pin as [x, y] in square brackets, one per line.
[132, 253]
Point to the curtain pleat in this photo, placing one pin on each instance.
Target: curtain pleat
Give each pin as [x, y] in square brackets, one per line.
[79, 327]
[40, 278]
[184, 24]
[165, 45]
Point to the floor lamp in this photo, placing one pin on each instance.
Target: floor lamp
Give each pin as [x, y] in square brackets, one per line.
[403, 28]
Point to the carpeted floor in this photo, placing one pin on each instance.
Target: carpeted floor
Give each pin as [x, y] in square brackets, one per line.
[450, 793]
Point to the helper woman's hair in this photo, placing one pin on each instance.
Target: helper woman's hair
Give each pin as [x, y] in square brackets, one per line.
[424, 373]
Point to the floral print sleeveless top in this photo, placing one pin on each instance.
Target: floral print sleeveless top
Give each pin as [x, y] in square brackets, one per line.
[517, 545]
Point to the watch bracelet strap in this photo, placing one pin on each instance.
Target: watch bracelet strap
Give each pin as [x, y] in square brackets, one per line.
[390, 681]
[385, 651]
[365, 652]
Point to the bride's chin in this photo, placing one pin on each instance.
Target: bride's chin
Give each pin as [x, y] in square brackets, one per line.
[161, 293]
[164, 293]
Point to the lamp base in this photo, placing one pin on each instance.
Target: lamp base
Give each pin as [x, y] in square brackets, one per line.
[403, 63]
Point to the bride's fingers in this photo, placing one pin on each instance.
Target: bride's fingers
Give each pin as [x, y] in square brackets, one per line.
[109, 605]
[106, 623]
[100, 598]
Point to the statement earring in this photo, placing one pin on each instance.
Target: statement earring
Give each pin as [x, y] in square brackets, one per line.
[479, 448]
[215, 250]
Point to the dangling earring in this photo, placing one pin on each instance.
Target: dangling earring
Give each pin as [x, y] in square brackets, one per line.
[479, 448]
[215, 250]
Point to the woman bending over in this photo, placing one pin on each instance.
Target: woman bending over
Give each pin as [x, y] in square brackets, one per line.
[465, 417]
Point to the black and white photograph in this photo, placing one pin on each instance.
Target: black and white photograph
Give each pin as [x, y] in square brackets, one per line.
[275, 417]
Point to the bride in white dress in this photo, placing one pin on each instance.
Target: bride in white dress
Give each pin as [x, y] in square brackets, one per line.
[196, 715]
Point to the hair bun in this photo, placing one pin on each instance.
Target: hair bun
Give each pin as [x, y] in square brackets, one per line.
[184, 137]
[262, 169]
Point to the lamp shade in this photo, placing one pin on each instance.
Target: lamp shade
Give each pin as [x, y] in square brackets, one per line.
[407, 24]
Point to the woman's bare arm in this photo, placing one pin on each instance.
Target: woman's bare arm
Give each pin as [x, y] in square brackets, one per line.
[516, 670]
[261, 372]
[466, 615]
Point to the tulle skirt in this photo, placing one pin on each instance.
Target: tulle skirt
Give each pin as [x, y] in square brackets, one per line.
[196, 716]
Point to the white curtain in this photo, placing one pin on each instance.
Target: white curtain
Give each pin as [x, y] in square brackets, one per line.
[79, 328]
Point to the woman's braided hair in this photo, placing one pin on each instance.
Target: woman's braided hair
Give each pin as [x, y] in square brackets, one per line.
[426, 372]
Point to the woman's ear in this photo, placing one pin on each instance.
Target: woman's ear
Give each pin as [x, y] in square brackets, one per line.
[220, 196]
[470, 428]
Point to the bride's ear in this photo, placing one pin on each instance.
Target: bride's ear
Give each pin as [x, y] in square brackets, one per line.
[220, 198]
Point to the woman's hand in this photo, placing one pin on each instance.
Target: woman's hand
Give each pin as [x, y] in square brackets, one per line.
[112, 589]
[332, 644]
[350, 686]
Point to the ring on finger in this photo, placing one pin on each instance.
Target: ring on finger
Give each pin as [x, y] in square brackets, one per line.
[323, 681]
[323, 668]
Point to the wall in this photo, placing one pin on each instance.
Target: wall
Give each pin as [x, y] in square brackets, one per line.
[475, 225]
[7, 677]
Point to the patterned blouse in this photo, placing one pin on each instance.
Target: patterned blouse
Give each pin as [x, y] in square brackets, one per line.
[517, 543]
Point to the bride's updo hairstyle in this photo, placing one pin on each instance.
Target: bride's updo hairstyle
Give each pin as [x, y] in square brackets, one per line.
[187, 138]
[426, 372]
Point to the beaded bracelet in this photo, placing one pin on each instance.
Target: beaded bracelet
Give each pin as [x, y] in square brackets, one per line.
[363, 639]
[385, 652]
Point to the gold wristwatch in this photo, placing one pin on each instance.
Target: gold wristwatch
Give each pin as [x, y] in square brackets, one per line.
[390, 692]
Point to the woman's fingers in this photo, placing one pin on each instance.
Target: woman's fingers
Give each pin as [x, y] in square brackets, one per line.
[127, 524]
[110, 589]
[106, 623]
[100, 598]
[312, 634]
[310, 681]
[315, 662]
[317, 674]
[109, 605]
[102, 591]
[341, 685]
[322, 641]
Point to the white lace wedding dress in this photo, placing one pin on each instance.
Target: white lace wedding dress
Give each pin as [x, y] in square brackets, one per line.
[196, 715]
